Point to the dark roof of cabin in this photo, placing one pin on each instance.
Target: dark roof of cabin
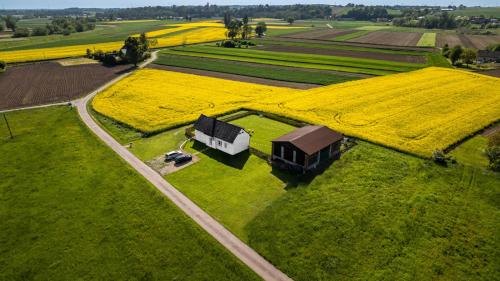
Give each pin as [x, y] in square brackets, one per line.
[311, 139]
[216, 128]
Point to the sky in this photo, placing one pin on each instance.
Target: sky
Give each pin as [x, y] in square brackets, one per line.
[59, 4]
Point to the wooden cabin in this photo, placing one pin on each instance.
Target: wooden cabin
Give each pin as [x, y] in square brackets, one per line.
[305, 148]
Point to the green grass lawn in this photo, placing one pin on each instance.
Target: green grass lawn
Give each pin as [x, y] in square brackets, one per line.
[153, 146]
[428, 39]
[71, 209]
[346, 64]
[377, 214]
[264, 131]
[233, 189]
[478, 11]
[254, 70]
[101, 34]
[472, 152]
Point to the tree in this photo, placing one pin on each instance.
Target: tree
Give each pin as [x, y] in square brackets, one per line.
[261, 28]
[246, 31]
[234, 29]
[468, 56]
[1, 26]
[290, 20]
[21, 32]
[10, 22]
[40, 31]
[446, 50]
[136, 48]
[455, 53]
[227, 19]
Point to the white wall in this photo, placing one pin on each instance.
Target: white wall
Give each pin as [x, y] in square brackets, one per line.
[240, 144]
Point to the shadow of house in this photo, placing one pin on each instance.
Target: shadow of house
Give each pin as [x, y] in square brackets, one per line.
[237, 161]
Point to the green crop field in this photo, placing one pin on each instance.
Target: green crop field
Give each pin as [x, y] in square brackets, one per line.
[346, 64]
[32, 23]
[73, 210]
[101, 34]
[428, 39]
[254, 70]
[263, 131]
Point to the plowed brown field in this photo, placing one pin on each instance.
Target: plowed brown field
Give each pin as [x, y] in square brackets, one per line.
[322, 34]
[389, 38]
[479, 42]
[49, 82]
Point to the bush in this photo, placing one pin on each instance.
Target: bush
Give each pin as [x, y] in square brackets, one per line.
[66, 32]
[3, 66]
[439, 157]
[40, 31]
[493, 153]
[21, 32]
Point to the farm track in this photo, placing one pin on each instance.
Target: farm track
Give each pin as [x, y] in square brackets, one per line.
[236, 77]
[49, 82]
[346, 53]
[406, 39]
[232, 243]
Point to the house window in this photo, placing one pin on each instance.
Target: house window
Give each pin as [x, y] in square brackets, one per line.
[294, 156]
[219, 143]
[225, 145]
[282, 152]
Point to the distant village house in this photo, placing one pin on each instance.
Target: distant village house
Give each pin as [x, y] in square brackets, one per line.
[485, 56]
[306, 147]
[221, 135]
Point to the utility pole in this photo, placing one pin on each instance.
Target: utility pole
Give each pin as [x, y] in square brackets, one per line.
[8, 127]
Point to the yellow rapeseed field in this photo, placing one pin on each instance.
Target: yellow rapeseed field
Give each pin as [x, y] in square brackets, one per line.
[198, 32]
[416, 112]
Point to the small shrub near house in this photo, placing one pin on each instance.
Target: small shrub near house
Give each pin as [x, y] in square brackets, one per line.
[493, 151]
[3, 66]
[441, 158]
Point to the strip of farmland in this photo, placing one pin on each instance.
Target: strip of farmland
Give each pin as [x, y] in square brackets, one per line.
[390, 38]
[356, 65]
[345, 53]
[323, 34]
[289, 74]
[469, 41]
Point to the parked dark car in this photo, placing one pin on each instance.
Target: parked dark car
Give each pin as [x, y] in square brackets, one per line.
[172, 155]
[183, 158]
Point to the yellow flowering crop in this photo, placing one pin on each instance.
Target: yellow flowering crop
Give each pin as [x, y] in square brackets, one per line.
[206, 32]
[416, 112]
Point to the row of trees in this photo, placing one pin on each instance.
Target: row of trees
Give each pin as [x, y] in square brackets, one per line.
[367, 13]
[241, 28]
[62, 25]
[441, 20]
[208, 11]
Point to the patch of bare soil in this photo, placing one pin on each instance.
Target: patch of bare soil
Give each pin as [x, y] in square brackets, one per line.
[479, 42]
[491, 130]
[236, 77]
[324, 34]
[49, 82]
[163, 168]
[345, 53]
[389, 38]
[493, 72]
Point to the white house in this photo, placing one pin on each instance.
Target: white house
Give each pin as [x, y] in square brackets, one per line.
[221, 135]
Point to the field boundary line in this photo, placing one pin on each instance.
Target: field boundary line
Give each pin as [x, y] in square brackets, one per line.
[35, 106]
[238, 248]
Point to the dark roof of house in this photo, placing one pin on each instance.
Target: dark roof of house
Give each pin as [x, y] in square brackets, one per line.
[311, 139]
[216, 128]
